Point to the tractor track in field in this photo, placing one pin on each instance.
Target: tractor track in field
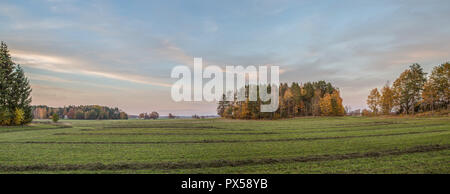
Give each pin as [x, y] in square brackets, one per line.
[163, 127]
[233, 133]
[221, 163]
[306, 130]
[368, 129]
[25, 130]
[153, 128]
[120, 134]
[228, 141]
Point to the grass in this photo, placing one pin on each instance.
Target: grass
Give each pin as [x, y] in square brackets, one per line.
[301, 145]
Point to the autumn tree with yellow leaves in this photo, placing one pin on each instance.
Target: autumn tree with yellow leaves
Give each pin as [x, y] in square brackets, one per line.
[374, 100]
[412, 92]
[310, 99]
[386, 99]
[331, 105]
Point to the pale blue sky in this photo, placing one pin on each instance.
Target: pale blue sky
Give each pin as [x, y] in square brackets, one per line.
[120, 53]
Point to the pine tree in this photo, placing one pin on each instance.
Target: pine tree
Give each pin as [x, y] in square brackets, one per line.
[288, 101]
[308, 95]
[296, 92]
[315, 106]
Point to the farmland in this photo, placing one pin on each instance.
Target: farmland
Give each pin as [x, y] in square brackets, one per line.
[301, 145]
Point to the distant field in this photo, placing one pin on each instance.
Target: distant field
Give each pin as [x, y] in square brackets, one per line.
[302, 145]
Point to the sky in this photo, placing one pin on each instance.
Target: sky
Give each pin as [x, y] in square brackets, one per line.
[121, 53]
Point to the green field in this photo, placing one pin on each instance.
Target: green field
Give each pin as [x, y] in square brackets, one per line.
[301, 145]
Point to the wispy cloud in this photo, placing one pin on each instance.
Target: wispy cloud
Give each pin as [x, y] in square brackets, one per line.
[74, 66]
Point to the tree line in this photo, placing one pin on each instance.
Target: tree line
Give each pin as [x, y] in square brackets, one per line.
[15, 91]
[82, 112]
[310, 99]
[152, 115]
[412, 92]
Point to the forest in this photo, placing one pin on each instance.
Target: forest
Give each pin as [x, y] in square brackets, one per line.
[310, 99]
[89, 112]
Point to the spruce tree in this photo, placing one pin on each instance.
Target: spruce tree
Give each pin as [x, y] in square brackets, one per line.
[22, 93]
[6, 76]
[14, 90]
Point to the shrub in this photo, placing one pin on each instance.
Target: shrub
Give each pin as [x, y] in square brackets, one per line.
[55, 117]
[366, 113]
[28, 115]
[154, 115]
[5, 117]
[19, 116]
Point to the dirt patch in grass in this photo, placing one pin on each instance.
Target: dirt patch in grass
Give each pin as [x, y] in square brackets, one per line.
[227, 141]
[220, 163]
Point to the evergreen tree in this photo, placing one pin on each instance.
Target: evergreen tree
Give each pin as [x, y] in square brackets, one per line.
[14, 91]
[55, 117]
[315, 103]
[297, 97]
[22, 94]
[6, 76]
